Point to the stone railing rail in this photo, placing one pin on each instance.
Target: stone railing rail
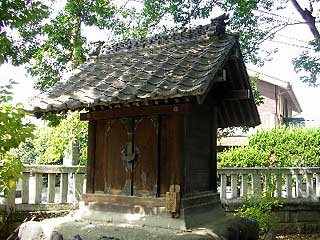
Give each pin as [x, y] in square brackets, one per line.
[292, 184]
[39, 189]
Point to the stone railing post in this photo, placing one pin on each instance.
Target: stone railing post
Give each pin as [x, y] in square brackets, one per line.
[263, 177]
[64, 188]
[298, 185]
[267, 179]
[234, 186]
[78, 188]
[31, 188]
[318, 185]
[256, 183]
[38, 188]
[25, 188]
[51, 187]
[244, 185]
[309, 185]
[223, 187]
[75, 154]
[289, 185]
[279, 184]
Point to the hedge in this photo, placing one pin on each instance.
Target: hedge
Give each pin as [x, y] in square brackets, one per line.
[282, 147]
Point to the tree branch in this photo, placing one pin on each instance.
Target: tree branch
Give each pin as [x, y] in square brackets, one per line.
[187, 20]
[311, 6]
[310, 20]
[273, 31]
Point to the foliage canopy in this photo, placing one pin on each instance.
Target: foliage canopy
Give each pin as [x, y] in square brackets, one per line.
[51, 144]
[14, 129]
[14, 15]
[53, 41]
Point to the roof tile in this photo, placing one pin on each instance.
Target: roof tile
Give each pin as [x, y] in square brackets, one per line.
[171, 66]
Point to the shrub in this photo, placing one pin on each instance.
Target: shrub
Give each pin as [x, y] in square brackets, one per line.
[10, 173]
[281, 147]
[243, 157]
[259, 207]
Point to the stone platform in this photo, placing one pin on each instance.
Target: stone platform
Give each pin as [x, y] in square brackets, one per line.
[72, 227]
[100, 230]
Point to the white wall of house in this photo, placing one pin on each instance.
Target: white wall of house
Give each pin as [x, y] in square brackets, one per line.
[276, 106]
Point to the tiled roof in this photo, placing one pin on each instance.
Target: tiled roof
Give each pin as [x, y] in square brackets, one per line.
[160, 67]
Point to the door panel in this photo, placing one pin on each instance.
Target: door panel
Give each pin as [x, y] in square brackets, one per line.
[145, 173]
[117, 180]
[100, 166]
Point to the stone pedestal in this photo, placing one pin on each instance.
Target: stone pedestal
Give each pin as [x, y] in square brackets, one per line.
[195, 211]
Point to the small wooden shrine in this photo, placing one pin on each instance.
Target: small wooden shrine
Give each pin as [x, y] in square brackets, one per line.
[153, 107]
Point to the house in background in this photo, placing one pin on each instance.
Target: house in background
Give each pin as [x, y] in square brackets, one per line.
[280, 106]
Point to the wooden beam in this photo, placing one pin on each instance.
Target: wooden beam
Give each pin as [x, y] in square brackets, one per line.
[242, 111]
[240, 94]
[126, 200]
[137, 111]
[224, 109]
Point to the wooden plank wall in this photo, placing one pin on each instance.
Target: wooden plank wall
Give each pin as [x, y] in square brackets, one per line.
[171, 151]
[199, 151]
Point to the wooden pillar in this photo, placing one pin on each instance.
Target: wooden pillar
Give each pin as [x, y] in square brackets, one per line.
[91, 156]
[214, 148]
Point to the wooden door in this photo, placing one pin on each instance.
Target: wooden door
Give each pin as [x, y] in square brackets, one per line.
[145, 174]
[117, 179]
[131, 155]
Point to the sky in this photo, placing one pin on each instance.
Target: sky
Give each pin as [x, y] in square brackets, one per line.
[290, 42]
[280, 66]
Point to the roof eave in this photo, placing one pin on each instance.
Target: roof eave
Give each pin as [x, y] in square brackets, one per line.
[294, 99]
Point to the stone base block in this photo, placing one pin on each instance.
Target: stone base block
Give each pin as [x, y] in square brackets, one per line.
[195, 211]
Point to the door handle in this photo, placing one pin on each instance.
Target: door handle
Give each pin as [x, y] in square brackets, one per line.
[128, 157]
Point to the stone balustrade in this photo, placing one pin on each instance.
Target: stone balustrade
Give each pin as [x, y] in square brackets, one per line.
[292, 184]
[46, 187]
